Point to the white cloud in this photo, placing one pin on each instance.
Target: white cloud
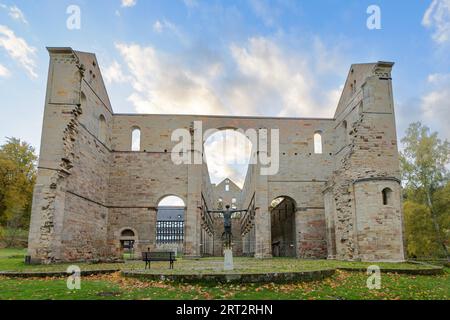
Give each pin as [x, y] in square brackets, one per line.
[19, 50]
[437, 17]
[114, 73]
[157, 26]
[4, 72]
[161, 26]
[435, 104]
[15, 13]
[261, 78]
[128, 3]
[163, 85]
[258, 77]
[284, 79]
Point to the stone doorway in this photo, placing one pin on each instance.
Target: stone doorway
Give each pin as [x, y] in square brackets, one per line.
[282, 218]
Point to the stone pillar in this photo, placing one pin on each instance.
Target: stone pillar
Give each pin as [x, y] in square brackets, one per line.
[148, 239]
[330, 218]
[263, 234]
[192, 226]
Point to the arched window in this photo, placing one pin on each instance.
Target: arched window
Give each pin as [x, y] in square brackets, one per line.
[387, 196]
[136, 139]
[83, 101]
[318, 142]
[102, 128]
[344, 132]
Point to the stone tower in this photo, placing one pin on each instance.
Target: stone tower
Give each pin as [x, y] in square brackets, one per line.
[69, 216]
[363, 196]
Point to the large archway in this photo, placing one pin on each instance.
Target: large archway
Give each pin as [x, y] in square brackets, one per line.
[170, 221]
[283, 231]
[228, 153]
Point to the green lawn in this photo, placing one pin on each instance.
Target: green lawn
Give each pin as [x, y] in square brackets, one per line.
[343, 285]
[13, 260]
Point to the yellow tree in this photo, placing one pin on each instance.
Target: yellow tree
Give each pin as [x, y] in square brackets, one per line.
[17, 178]
[424, 160]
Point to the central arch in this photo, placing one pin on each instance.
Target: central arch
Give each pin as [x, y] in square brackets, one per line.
[283, 229]
[227, 152]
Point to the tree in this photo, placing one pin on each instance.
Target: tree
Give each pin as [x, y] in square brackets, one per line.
[424, 171]
[17, 178]
[420, 236]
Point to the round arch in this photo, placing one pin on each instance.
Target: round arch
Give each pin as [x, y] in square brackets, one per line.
[121, 230]
[212, 131]
[228, 151]
[127, 242]
[172, 196]
[283, 227]
[283, 197]
[135, 134]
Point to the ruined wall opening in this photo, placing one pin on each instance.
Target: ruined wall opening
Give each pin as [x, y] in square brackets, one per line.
[102, 128]
[282, 218]
[228, 154]
[135, 139]
[387, 196]
[170, 218]
[127, 241]
[83, 101]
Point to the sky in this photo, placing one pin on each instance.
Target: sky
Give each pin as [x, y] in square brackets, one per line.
[256, 57]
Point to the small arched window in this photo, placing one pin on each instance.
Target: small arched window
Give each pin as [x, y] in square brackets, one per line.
[102, 128]
[344, 132]
[136, 139]
[318, 142]
[387, 196]
[127, 233]
[83, 101]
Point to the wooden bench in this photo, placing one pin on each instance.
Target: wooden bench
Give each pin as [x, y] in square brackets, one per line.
[150, 256]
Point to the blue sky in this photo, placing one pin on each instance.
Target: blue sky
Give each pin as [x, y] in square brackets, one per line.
[280, 57]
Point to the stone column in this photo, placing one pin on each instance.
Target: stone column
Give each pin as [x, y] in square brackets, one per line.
[148, 239]
[192, 227]
[263, 232]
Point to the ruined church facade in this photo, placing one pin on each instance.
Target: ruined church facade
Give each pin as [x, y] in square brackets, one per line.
[93, 192]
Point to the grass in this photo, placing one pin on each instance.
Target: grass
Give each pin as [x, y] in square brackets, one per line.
[13, 260]
[343, 285]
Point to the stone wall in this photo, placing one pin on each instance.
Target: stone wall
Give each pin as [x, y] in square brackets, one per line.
[366, 163]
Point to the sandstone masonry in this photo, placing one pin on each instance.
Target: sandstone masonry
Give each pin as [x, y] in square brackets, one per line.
[343, 203]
